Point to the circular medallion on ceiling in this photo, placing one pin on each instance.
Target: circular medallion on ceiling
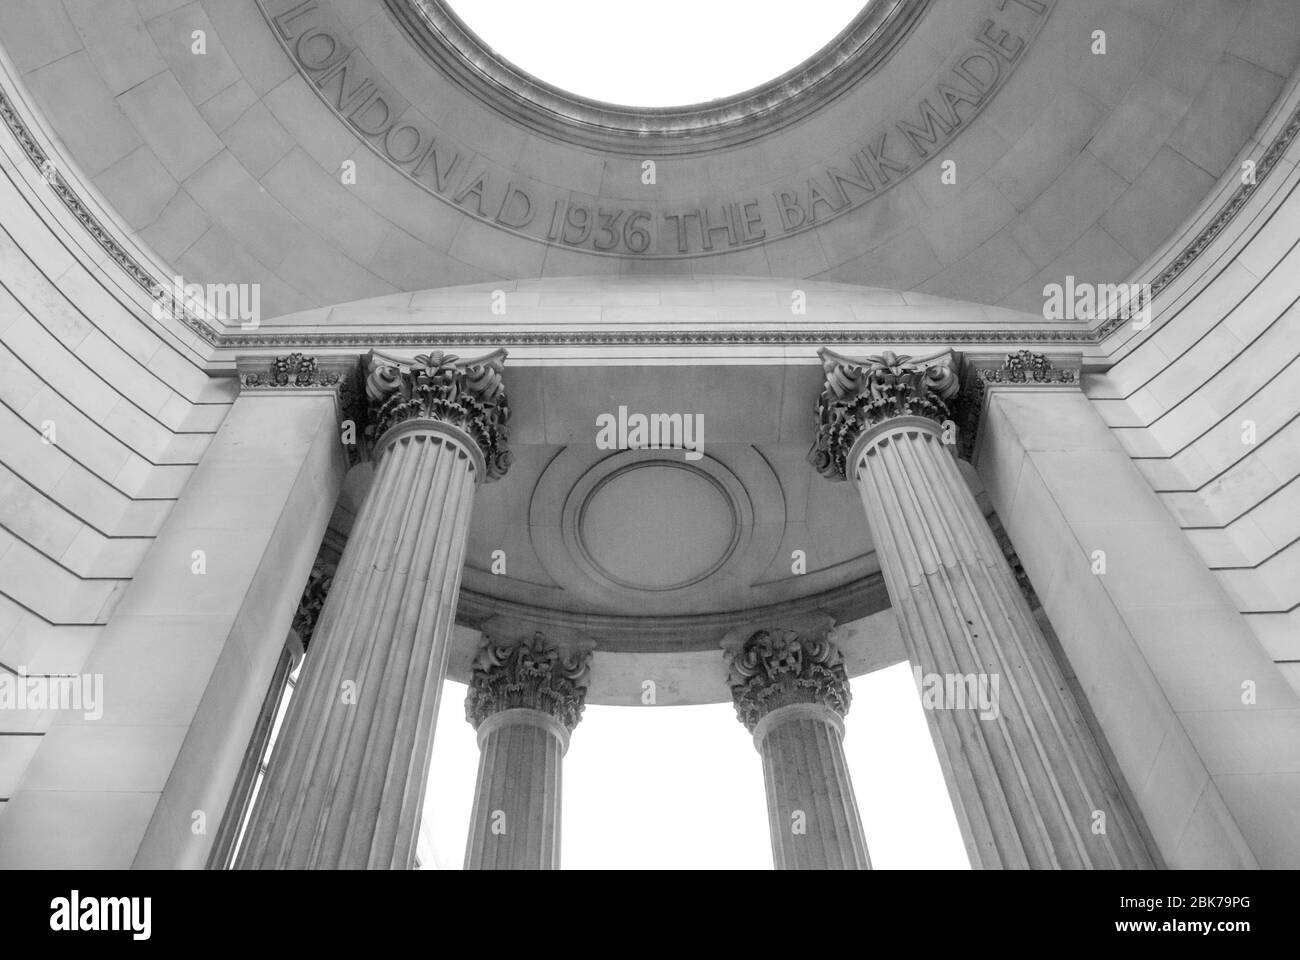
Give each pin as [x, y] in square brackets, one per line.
[657, 525]
[649, 532]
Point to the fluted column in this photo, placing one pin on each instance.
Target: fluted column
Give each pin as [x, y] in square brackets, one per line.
[1027, 778]
[524, 699]
[345, 783]
[791, 693]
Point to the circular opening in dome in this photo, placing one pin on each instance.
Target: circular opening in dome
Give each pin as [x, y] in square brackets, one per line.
[541, 104]
[661, 54]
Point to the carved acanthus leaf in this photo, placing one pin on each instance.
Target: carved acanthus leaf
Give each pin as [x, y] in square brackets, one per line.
[469, 394]
[775, 668]
[861, 393]
[531, 674]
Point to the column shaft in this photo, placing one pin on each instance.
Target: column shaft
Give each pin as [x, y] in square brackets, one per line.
[515, 824]
[791, 692]
[811, 810]
[345, 785]
[525, 698]
[1027, 779]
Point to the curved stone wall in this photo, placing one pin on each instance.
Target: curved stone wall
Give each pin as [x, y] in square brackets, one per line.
[104, 414]
[1171, 584]
[1205, 400]
[230, 164]
[226, 169]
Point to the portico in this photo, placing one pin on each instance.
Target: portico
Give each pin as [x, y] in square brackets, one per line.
[340, 358]
[1030, 782]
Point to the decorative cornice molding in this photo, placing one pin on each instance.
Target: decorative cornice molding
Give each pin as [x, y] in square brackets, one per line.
[468, 394]
[859, 394]
[530, 674]
[666, 338]
[158, 290]
[1207, 234]
[776, 668]
[155, 287]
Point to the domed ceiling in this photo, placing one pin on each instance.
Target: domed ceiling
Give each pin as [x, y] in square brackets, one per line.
[334, 150]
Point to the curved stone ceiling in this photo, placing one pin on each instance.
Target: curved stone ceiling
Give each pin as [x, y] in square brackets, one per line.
[235, 165]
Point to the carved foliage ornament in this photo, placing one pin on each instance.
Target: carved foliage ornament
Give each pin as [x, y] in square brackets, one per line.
[312, 601]
[861, 393]
[1025, 366]
[531, 674]
[469, 394]
[776, 668]
[303, 371]
[292, 370]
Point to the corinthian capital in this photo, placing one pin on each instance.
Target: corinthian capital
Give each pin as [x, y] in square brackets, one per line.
[531, 674]
[775, 668]
[468, 394]
[861, 393]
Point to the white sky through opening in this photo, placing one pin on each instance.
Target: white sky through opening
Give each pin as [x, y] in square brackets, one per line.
[682, 787]
[660, 53]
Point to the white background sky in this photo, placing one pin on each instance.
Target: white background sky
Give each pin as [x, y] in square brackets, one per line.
[682, 787]
[674, 787]
[656, 52]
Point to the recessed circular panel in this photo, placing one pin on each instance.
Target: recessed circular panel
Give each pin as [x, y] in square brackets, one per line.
[657, 525]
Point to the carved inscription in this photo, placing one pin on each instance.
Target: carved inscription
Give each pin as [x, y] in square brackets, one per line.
[351, 86]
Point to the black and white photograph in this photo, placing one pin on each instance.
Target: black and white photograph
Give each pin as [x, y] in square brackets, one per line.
[650, 436]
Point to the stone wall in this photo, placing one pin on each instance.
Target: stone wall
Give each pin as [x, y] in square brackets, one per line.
[128, 412]
[1221, 355]
[230, 164]
[225, 169]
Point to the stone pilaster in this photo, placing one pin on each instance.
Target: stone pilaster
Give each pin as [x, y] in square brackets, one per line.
[1027, 779]
[299, 374]
[791, 693]
[345, 784]
[524, 700]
